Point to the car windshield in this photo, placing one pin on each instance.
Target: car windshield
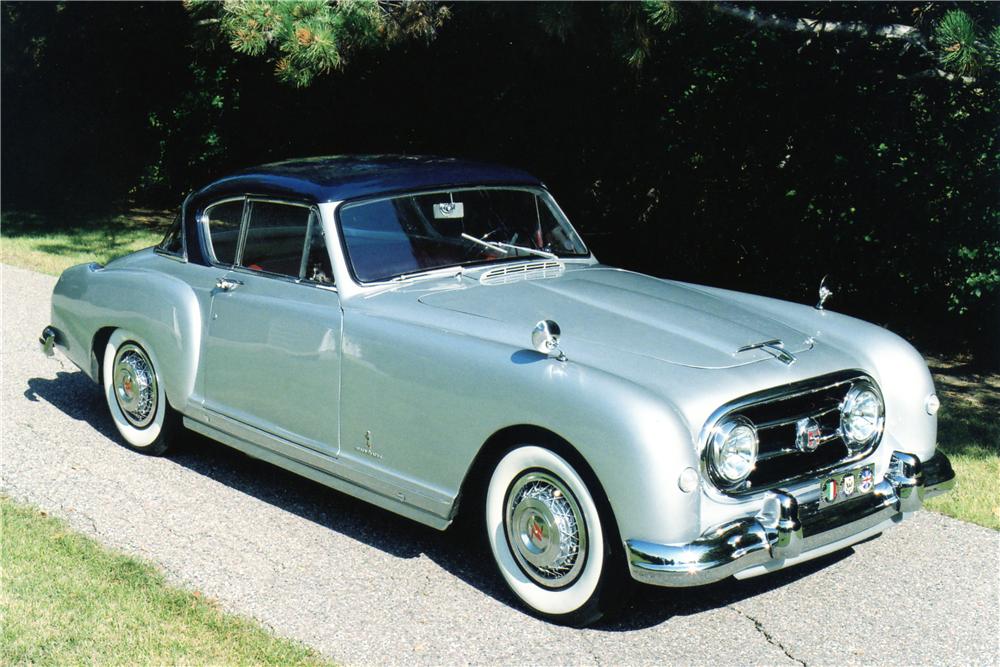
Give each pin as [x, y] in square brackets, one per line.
[397, 236]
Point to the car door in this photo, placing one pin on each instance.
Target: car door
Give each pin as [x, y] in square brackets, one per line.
[271, 358]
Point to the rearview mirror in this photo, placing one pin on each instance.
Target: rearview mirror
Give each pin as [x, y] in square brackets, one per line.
[449, 210]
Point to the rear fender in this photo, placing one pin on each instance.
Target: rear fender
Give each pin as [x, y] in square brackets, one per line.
[160, 308]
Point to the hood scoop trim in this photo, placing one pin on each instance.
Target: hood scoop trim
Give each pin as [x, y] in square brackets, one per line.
[776, 348]
[522, 271]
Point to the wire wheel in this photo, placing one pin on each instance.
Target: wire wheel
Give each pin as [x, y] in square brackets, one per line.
[545, 529]
[134, 384]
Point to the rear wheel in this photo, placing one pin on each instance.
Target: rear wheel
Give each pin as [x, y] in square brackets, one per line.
[135, 395]
[553, 542]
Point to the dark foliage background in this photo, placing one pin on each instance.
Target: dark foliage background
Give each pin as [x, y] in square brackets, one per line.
[718, 150]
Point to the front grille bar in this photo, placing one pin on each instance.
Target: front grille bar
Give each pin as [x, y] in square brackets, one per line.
[792, 420]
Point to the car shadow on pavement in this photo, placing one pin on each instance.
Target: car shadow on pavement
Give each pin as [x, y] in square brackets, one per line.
[76, 396]
[456, 550]
[652, 605]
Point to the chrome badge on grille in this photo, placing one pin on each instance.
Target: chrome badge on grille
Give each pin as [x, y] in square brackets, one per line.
[808, 435]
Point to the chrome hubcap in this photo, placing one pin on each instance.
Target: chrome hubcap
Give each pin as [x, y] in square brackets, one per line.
[134, 385]
[545, 529]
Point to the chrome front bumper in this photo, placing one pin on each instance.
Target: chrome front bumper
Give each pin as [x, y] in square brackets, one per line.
[788, 530]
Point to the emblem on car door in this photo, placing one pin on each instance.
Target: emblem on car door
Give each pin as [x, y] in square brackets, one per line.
[369, 447]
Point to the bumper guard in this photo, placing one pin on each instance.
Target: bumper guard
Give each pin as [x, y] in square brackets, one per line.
[47, 341]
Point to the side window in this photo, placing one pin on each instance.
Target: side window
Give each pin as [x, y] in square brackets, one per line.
[173, 242]
[287, 240]
[224, 229]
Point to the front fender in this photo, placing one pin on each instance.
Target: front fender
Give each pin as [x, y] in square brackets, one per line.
[430, 398]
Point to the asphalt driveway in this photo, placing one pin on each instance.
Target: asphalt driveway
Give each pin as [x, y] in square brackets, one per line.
[366, 587]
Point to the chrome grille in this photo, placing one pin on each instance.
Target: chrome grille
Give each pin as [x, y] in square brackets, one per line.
[775, 414]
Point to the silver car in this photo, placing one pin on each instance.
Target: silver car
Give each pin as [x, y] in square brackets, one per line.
[432, 336]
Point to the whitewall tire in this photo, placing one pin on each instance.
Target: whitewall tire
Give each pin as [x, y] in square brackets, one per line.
[550, 537]
[134, 393]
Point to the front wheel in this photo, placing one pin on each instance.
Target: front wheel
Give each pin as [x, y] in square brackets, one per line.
[135, 395]
[551, 543]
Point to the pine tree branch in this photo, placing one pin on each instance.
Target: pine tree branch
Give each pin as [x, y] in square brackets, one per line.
[906, 33]
[935, 73]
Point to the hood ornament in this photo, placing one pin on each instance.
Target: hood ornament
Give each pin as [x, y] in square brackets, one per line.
[824, 293]
[545, 339]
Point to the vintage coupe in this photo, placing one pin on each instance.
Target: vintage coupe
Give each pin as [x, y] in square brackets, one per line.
[431, 335]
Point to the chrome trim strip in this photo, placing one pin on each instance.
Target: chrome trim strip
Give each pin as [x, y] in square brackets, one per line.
[311, 454]
[778, 534]
[395, 502]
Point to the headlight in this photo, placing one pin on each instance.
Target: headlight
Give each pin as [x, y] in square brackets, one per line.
[861, 415]
[734, 450]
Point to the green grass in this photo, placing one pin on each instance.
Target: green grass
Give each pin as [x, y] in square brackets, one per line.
[65, 600]
[52, 242]
[969, 433]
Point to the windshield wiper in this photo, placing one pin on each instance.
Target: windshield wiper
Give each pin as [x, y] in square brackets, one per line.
[507, 247]
[406, 279]
[454, 271]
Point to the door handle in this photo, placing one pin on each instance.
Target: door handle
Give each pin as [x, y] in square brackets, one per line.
[227, 284]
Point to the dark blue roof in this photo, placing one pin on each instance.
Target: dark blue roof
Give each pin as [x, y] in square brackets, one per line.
[340, 177]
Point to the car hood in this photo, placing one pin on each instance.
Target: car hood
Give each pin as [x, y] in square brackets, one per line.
[630, 312]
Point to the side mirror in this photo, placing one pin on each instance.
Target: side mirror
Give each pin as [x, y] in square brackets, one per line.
[545, 339]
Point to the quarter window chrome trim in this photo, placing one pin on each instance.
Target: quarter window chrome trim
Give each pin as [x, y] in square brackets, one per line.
[846, 378]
